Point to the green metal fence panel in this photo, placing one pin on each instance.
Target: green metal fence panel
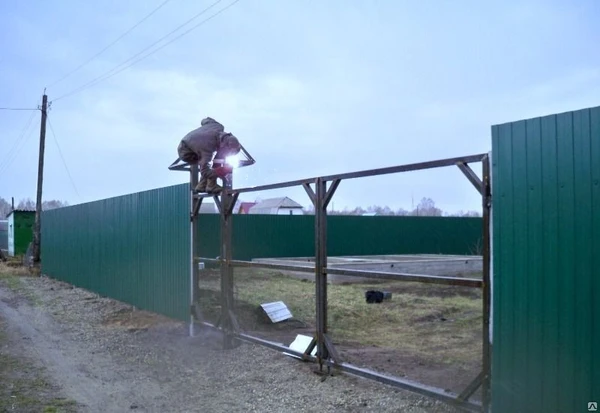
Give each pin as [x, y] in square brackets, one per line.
[262, 236]
[349, 235]
[134, 248]
[546, 229]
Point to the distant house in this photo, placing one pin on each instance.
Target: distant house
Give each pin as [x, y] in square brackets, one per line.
[370, 214]
[277, 206]
[20, 231]
[244, 207]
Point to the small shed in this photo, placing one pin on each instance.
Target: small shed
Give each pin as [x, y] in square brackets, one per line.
[277, 206]
[20, 231]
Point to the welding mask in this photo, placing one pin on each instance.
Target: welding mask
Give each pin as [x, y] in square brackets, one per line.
[229, 145]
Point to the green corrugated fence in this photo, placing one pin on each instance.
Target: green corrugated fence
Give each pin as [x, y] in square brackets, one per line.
[546, 220]
[135, 248]
[265, 236]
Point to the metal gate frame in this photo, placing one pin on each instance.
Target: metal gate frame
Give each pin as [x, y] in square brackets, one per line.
[320, 196]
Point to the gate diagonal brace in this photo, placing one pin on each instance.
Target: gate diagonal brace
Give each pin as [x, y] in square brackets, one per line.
[197, 205]
[232, 203]
[310, 192]
[333, 353]
[330, 357]
[311, 346]
[218, 204]
[329, 194]
[471, 176]
[471, 388]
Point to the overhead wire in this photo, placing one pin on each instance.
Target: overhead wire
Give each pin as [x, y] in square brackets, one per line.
[19, 108]
[62, 157]
[108, 74]
[13, 152]
[111, 44]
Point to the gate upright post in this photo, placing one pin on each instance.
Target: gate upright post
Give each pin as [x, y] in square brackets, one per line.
[320, 265]
[487, 203]
[227, 314]
[193, 244]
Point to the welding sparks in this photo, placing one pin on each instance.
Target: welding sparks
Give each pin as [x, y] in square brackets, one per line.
[233, 161]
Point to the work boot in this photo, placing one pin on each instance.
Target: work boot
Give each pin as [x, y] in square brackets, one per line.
[201, 187]
[213, 187]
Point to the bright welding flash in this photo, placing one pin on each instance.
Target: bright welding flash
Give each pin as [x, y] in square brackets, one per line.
[233, 161]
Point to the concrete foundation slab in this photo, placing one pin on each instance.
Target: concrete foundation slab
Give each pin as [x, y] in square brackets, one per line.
[423, 264]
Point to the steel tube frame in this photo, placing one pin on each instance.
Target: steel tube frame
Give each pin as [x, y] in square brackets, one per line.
[320, 197]
[194, 285]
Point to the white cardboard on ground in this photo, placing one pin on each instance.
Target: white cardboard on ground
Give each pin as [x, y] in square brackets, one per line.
[300, 344]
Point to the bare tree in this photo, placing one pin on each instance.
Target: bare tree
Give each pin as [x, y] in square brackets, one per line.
[26, 204]
[5, 208]
[53, 204]
[427, 208]
[465, 214]
[402, 212]
[29, 205]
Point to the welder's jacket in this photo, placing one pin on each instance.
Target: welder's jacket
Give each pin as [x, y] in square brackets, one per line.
[200, 144]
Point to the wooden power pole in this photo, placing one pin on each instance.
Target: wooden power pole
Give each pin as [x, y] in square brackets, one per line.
[40, 181]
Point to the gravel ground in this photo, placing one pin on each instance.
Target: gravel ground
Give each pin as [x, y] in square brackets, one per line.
[109, 357]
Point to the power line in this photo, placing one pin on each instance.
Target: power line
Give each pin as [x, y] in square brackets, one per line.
[108, 74]
[19, 109]
[115, 70]
[11, 155]
[111, 44]
[63, 158]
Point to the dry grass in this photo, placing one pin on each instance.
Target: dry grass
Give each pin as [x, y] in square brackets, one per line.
[11, 273]
[423, 320]
[13, 268]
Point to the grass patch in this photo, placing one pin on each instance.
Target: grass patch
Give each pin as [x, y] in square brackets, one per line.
[11, 275]
[428, 321]
[24, 387]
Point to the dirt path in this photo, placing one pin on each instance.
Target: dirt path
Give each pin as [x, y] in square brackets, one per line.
[94, 380]
[106, 357]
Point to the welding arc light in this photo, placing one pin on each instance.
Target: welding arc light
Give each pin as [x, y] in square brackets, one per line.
[233, 161]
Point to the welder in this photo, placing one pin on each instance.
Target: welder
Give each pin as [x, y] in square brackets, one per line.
[200, 145]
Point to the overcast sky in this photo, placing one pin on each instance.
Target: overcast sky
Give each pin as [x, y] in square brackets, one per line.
[309, 87]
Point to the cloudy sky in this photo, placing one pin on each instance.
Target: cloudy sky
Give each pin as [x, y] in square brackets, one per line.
[310, 88]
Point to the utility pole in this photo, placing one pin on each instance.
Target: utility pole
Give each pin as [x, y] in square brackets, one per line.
[40, 180]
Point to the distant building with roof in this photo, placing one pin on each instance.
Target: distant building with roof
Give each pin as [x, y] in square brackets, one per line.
[277, 206]
[244, 207]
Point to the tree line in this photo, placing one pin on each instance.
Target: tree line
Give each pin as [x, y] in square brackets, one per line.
[28, 204]
[426, 208]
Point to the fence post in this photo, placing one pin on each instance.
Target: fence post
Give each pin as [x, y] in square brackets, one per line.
[487, 204]
[193, 245]
[320, 266]
[228, 318]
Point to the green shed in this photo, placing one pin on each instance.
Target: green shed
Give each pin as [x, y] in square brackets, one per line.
[20, 231]
[546, 264]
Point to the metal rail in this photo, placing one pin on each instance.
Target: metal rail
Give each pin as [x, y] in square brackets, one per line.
[429, 391]
[320, 196]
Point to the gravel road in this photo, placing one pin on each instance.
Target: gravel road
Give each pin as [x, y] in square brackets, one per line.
[109, 357]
